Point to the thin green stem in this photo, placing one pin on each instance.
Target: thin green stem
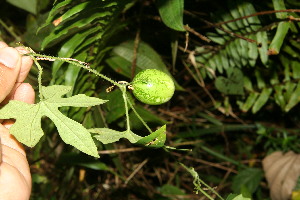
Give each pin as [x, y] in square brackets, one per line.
[8, 29]
[123, 89]
[87, 67]
[198, 182]
[207, 195]
[39, 76]
[210, 188]
[138, 116]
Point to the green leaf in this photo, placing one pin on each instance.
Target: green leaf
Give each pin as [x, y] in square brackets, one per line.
[231, 196]
[279, 97]
[106, 135]
[168, 189]
[262, 99]
[28, 5]
[262, 38]
[156, 139]
[62, 31]
[279, 5]
[249, 102]
[252, 51]
[171, 13]
[233, 85]
[52, 14]
[115, 107]
[147, 58]
[120, 65]
[72, 132]
[68, 48]
[294, 99]
[296, 69]
[73, 71]
[282, 30]
[237, 197]
[250, 178]
[96, 165]
[73, 11]
[27, 128]
[80, 17]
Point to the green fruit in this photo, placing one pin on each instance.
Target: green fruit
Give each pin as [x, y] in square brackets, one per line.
[153, 87]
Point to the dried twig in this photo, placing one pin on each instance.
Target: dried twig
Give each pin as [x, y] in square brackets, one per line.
[135, 171]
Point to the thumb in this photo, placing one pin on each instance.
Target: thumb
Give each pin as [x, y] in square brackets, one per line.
[10, 64]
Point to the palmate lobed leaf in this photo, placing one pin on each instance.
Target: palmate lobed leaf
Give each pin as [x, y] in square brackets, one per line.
[27, 128]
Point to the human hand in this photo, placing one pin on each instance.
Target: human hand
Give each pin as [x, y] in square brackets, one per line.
[15, 178]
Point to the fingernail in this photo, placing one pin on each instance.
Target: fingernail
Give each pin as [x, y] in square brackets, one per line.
[9, 57]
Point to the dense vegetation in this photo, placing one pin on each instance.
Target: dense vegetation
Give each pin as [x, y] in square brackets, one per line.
[236, 68]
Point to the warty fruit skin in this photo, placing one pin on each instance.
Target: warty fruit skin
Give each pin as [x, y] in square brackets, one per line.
[153, 87]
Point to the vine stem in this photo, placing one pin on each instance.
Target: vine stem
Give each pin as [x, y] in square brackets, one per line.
[10, 30]
[123, 90]
[210, 188]
[36, 56]
[198, 182]
[76, 63]
[39, 76]
[138, 116]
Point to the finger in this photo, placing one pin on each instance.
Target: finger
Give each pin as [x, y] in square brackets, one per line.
[22, 92]
[10, 63]
[8, 139]
[25, 93]
[12, 185]
[26, 64]
[13, 152]
[0, 151]
[3, 44]
[18, 161]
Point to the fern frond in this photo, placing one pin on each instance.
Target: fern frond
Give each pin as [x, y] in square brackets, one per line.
[246, 43]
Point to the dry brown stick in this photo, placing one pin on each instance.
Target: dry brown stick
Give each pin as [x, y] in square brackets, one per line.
[136, 171]
[202, 37]
[216, 165]
[192, 74]
[174, 115]
[120, 150]
[199, 83]
[218, 188]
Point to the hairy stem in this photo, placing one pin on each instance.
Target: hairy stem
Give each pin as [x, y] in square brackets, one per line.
[76, 63]
[39, 76]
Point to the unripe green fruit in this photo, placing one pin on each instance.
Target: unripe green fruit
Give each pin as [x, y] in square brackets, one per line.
[153, 87]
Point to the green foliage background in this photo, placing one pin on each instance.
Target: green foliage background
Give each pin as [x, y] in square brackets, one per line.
[237, 97]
